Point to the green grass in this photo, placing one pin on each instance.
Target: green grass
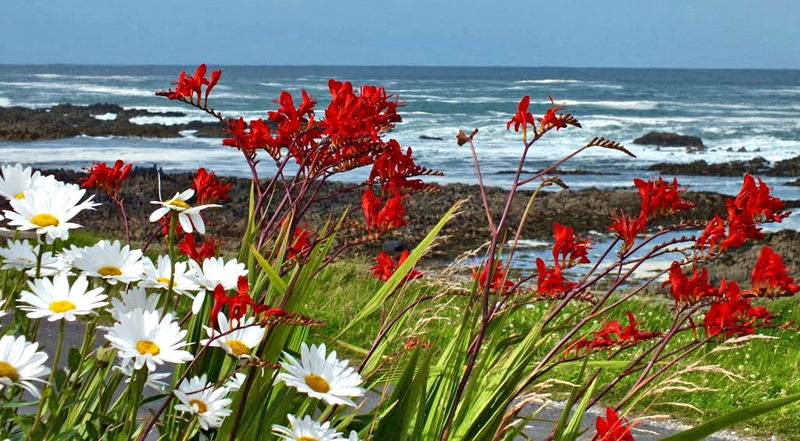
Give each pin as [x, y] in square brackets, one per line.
[769, 368]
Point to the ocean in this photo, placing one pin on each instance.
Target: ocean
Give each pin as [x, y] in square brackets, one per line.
[757, 110]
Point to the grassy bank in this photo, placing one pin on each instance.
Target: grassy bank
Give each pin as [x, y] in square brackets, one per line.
[766, 368]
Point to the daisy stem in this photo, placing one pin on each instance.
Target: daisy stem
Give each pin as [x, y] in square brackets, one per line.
[39, 255]
[48, 390]
[135, 388]
[171, 241]
[187, 434]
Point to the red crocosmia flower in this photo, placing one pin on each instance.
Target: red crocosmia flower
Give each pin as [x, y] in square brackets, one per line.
[660, 198]
[734, 315]
[756, 200]
[498, 277]
[380, 216]
[220, 300]
[196, 251]
[299, 243]
[613, 428]
[358, 118]
[770, 276]
[689, 290]
[550, 117]
[626, 228]
[385, 267]
[610, 335]
[241, 300]
[189, 86]
[551, 281]
[209, 189]
[634, 335]
[522, 117]
[571, 252]
[108, 179]
[371, 206]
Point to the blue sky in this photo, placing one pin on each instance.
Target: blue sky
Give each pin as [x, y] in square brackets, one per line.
[581, 33]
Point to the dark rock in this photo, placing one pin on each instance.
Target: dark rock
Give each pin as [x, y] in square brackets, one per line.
[742, 149]
[787, 167]
[794, 183]
[431, 138]
[68, 120]
[666, 139]
[757, 165]
[393, 246]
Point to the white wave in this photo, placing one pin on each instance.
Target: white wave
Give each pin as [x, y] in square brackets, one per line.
[92, 89]
[547, 81]
[268, 84]
[106, 116]
[632, 105]
[5, 101]
[170, 120]
[90, 77]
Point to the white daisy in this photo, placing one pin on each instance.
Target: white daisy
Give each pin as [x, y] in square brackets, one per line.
[236, 382]
[49, 210]
[188, 216]
[353, 436]
[326, 379]
[22, 256]
[237, 342]
[159, 276]
[134, 298]
[200, 398]
[16, 180]
[140, 336]
[214, 271]
[109, 260]
[56, 299]
[21, 364]
[306, 430]
[153, 378]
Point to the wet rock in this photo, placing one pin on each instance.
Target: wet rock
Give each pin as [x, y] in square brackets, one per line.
[666, 139]
[757, 165]
[68, 120]
[431, 138]
[393, 246]
[787, 167]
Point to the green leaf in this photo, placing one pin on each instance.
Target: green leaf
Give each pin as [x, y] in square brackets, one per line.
[571, 433]
[388, 288]
[729, 419]
[73, 358]
[274, 277]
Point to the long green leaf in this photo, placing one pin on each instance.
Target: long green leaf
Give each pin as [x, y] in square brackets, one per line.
[729, 419]
[388, 288]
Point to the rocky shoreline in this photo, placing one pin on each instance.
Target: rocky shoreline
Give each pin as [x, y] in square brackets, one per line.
[586, 210]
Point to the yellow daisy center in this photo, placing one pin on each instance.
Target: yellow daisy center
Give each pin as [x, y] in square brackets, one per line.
[20, 196]
[238, 348]
[109, 271]
[306, 438]
[62, 306]
[8, 371]
[148, 347]
[165, 280]
[201, 406]
[44, 220]
[317, 384]
[179, 204]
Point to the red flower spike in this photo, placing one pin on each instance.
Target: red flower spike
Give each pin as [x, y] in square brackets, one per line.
[572, 252]
[188, 86]
[106, 179]
[551, 281]
[613, 428]
[220, 300]
[209, 189]
[385, 267]
[299, 243]
[189, 248]
[634, 335]
[689, 291]
[770, 276]
[660, 198]
[497, 279]
[626, 228]
[734, 315]
[522, 118]
[550, 118]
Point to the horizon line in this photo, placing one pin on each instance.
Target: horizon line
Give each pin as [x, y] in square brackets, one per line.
[398, 66]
